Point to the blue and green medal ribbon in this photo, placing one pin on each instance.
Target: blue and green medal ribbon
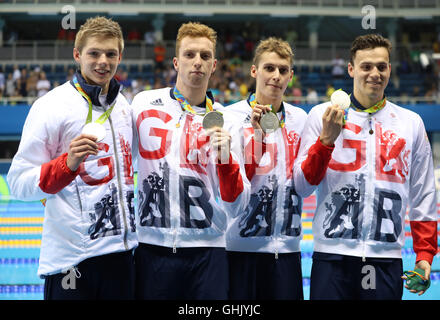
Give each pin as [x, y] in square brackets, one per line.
[376, 107]
[186, 106]
[103, 118]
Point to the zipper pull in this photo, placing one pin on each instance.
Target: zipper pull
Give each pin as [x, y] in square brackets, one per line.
[363, 252]
[174, 240]
[276, 254]
[76, 271]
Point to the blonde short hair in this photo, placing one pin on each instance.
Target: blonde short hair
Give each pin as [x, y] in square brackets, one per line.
[99, 27]
[272, 44]
[195, 30]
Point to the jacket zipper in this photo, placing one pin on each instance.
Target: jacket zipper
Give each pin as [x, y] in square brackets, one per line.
[280, 194]
[371, 165]
[79, 198]
[80, 206]
[180, 126]
[121, 198]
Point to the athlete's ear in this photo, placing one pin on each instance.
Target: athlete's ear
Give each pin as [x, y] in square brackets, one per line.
[350, 69]
[76, 54]
[214, 66]
[254, 71]
[176, 64]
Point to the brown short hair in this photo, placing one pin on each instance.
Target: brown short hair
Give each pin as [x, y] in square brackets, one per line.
[195, 30]
[272, 44]
[99, 27]
[369, 41]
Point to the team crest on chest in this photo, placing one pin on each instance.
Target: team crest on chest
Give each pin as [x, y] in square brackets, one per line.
[393, 151]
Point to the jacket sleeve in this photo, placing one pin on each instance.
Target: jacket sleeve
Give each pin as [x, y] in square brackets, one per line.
[233, 184]
[422, 198]
[313, 157]
[36, 170]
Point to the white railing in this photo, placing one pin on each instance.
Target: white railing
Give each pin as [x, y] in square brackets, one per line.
[384, 8]
[378, 4]
[60, 52]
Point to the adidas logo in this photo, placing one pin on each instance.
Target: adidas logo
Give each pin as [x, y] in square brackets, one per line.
[157, 102]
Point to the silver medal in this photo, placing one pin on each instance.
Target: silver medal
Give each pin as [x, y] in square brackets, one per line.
[269, 122]
[95, 129]
[213, 119]
[341, 99]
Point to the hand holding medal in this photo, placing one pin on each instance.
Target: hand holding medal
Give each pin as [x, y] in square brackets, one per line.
[79, 148]
[263, 118]
[220, 139]
[92, 133]
[342, 100]
[97, 128]
[334, 117]
[213, 119]
[269, 122]
[94, 129]
[258, 111]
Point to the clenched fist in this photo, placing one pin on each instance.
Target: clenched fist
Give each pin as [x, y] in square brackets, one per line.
[257, 111]
[332, 122]
[220, 141]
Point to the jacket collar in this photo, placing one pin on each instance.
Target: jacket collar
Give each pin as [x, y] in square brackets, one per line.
[203, 104]
[357, 104]
[94, 91]
[253, 92]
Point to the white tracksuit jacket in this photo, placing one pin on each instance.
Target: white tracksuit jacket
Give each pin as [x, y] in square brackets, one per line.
[271, 221]
[365, 184]
[88, 212]
[183, 194]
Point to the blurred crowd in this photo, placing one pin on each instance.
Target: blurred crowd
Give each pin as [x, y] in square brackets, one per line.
[24, 83]
[231, 81]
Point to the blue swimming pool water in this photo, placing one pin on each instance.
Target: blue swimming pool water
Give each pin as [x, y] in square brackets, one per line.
[21, 222]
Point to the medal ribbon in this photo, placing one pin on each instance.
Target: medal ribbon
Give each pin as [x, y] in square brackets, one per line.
[378, 106]
[374, 108]
[187, 107]
[253, 102]
[104, 116]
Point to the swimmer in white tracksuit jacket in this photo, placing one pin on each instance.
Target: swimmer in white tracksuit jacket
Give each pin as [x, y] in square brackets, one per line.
[367, 171]
[88, 185]
[186, 186]
[263, 241]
